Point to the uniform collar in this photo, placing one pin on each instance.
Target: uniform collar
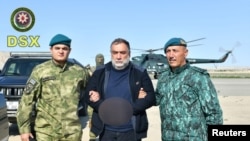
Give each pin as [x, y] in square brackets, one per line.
[180, 69]
[59, 66]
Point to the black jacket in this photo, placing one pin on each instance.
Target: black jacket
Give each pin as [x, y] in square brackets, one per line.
[138, 78]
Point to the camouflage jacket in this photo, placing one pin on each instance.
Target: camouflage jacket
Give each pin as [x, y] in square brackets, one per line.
[56, 91]
[188, 102]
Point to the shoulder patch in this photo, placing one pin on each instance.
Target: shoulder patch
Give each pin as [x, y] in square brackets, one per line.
[30, 85]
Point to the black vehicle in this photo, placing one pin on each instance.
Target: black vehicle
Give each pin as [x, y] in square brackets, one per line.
[4, 124]
[15, 74]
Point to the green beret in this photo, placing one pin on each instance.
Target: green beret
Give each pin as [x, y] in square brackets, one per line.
[175, 42]
[60, 39]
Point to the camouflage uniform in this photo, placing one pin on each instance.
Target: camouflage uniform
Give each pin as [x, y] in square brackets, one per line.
[57, 92]
[188, 103]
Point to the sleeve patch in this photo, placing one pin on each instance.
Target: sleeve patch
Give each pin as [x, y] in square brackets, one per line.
[30, 86]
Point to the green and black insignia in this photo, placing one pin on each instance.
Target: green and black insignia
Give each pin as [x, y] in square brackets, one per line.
[22, 19]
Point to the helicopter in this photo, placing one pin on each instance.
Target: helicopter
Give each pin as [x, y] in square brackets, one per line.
[156, 63]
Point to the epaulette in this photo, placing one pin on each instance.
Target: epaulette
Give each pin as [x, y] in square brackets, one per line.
[200, 70]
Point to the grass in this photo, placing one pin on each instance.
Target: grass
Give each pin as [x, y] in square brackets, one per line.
[229, 74]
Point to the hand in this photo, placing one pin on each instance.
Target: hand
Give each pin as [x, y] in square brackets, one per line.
[94, 96]
[142, 94]
[26, 136]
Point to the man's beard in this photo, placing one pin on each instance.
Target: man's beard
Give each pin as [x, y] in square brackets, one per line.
[120, 65]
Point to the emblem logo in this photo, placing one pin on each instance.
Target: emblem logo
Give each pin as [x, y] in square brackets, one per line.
[22, 19]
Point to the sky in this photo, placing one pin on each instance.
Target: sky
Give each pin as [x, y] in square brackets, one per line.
[146, 24]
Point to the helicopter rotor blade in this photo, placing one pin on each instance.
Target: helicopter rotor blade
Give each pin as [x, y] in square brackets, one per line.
[139, 49]
[195, 45]
[233, 58]
[158, 49]
[196, 40]
[149, 50]
[237, 44]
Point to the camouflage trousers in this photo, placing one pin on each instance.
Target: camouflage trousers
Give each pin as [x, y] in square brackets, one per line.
[90, 112]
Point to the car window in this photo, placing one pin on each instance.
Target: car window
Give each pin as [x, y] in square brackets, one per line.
[22, 67]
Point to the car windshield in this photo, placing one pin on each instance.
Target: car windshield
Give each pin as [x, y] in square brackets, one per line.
[21, 67]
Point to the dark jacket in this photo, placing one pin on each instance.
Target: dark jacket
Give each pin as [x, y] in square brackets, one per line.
[138, 78]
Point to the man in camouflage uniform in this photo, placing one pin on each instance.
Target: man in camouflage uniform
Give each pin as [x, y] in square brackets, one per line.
[55, 87]
[99, 60]
[186, 97]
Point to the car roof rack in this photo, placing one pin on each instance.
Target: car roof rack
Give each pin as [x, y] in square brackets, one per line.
[17, 54]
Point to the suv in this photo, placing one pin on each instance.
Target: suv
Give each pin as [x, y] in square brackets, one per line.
[4, 125]
[15, 74]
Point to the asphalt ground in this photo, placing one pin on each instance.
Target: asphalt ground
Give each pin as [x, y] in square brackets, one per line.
[234, 96]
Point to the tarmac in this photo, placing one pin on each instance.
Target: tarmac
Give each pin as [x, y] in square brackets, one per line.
[234, 97]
